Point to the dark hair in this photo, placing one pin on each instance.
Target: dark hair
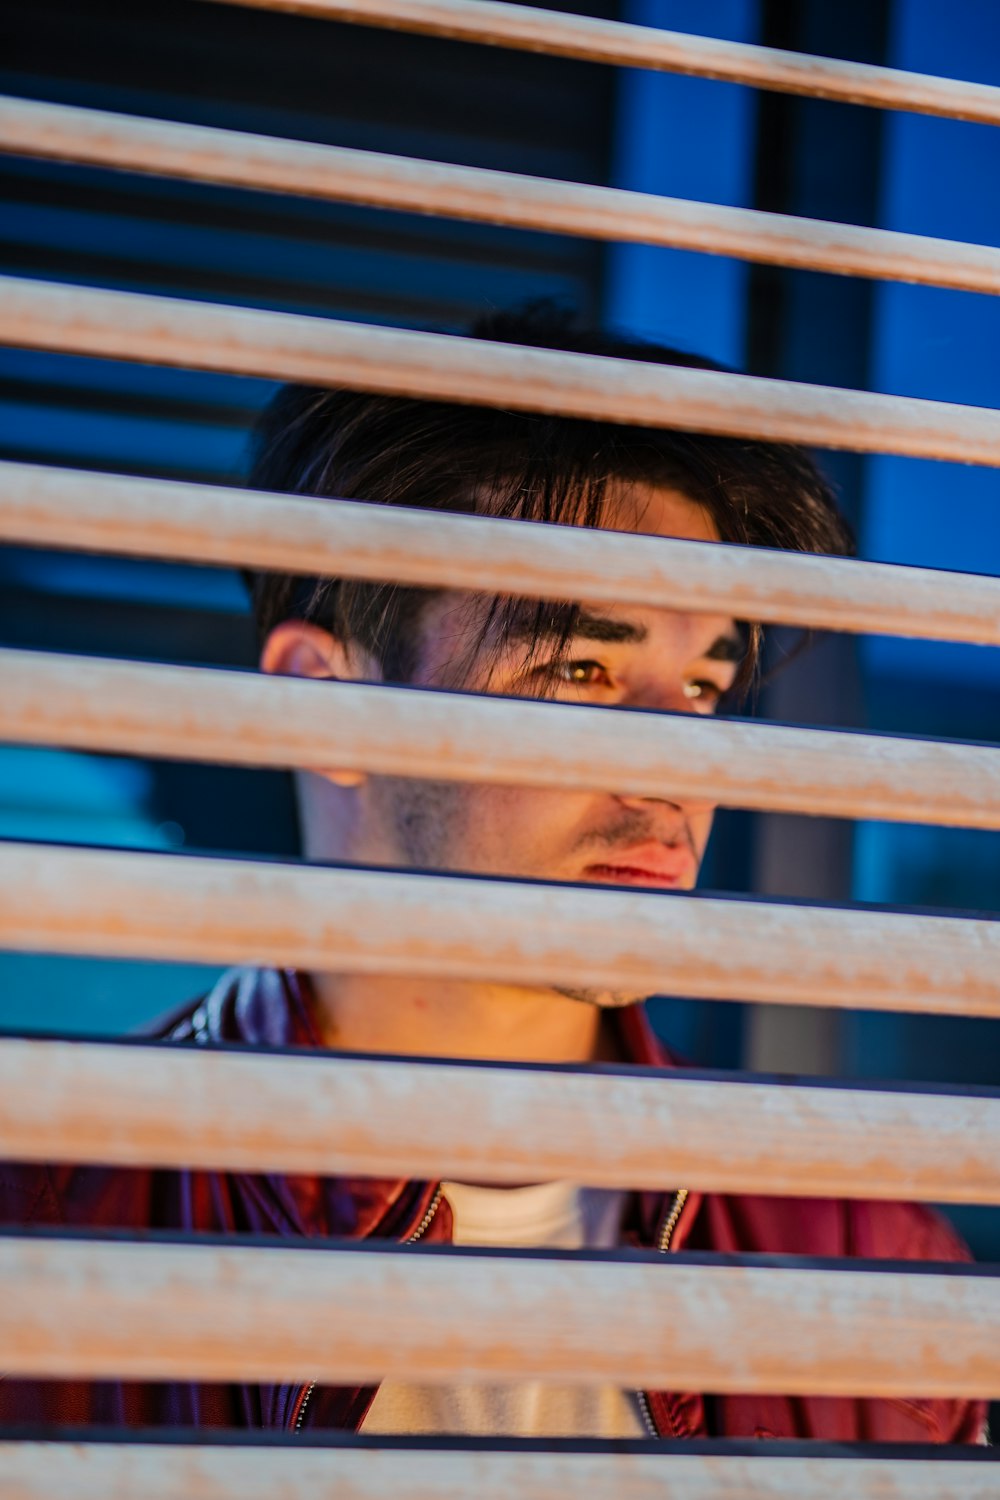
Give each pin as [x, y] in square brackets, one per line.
[449, 457]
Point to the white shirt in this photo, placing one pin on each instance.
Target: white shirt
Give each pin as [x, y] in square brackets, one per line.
[551, 1216]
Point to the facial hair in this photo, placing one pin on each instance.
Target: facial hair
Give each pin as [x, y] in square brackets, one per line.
[633, 825]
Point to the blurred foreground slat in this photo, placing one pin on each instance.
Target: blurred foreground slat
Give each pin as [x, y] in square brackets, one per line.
[631, 942]
[401, 362]
[597, 40]
[340, 174]
[329, 1116]
[356, 1316]
[143, 517]
[177, 1471]
[242, 718]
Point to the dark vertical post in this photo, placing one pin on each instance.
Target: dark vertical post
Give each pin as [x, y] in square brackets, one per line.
[819, 160]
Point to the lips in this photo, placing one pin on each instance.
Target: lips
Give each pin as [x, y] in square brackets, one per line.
[652, 864]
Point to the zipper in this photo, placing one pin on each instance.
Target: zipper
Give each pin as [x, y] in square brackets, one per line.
[303, 1403]
[411, 1239]
[663, 1245]
[670, 1222]
[425, 1222]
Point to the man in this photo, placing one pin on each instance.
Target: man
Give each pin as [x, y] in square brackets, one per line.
[452, 458]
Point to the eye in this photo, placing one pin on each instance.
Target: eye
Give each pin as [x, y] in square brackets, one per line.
[704, 694]
[573, 678]
[579, 673]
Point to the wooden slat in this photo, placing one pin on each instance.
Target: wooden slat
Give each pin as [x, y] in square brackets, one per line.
[362, 921]
[597, 40]
[337, 173]
[241, 718]
[32, 1470]
[327, 352]
[355, 1316]
[141, 517]
[330, 1116]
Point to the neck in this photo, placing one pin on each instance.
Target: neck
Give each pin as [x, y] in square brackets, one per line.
[368, 1013]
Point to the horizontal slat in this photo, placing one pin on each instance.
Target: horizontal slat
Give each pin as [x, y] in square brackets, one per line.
[398, 182]
[242, 718]
[327, 352]
[362, 921]
[597, 40]
[178, 1471]
[226, 1312]
[167, 1107]
[245, 528]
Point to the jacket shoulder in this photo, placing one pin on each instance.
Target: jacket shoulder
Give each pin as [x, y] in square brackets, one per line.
[839, 1229]
[57, 1194]
[255, 1007]
[28, 1194]
[902, 1231]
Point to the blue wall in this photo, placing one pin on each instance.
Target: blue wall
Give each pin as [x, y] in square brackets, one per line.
[684, 138]
[940, 177]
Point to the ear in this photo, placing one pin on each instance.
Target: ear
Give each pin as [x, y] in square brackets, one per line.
[297, 649]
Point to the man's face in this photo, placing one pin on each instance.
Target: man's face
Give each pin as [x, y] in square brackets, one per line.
[621, 657]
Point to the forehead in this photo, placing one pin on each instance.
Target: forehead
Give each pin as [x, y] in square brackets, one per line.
[658, 510]
[453, 621]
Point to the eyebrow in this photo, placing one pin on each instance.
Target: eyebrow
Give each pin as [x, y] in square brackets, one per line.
[526, 626]
[726, 648]
[594, 627]
[591, 627]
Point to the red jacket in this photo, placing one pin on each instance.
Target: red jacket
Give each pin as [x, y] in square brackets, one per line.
[271, 1009]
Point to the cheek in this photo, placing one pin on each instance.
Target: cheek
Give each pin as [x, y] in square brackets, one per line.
[450, 825]
[422, 819]
[522, 831]
[485, 829]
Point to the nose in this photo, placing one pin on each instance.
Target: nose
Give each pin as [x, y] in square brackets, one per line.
[683, 808]
[668, 697]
